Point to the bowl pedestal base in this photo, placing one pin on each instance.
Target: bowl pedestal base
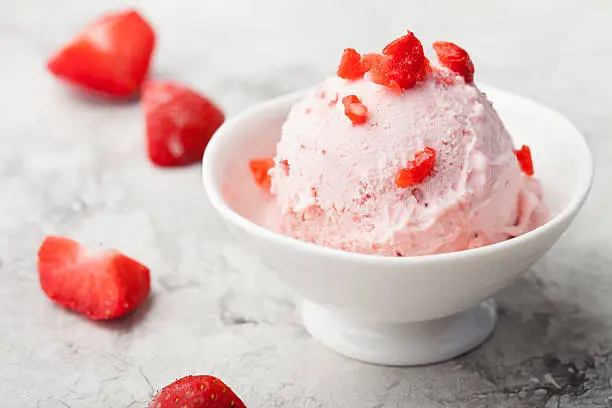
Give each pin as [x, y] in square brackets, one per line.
[400, 344]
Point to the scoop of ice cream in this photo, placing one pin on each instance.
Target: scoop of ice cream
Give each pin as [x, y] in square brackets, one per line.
[335, 182]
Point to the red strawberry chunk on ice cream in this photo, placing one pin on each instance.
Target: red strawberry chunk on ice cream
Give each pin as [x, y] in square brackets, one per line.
[402, 64]
[355, 110]
[259, 170]
[351, 67]
[417, 170]
[523, 155]
[455, 58]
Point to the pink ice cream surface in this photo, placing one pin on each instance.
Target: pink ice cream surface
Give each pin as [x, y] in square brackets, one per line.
[334, 182]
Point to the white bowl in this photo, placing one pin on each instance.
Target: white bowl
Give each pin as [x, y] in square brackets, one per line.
[387, 310]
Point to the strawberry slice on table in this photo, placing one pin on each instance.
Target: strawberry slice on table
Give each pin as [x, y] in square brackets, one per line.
[110, 56]
[99, 284]
[179, 122]
[197, 391]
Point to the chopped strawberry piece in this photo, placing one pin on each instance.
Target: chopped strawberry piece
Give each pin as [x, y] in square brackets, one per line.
[523, 156]
[259, 169]
[355, 110]
[402, 64]
[100, 285]
[350, 65]
[417, 170]
[378, 66]
[455, 58]
[379, 69]
[372, 60]
[179, 121]
[403, 47]
[197, 391]
[110, 56]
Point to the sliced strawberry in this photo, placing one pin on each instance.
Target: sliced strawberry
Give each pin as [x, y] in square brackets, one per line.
[455, 58]
[355, 110]
[259, 170]
[100, 285]
[350, 65]
[523, 155]
[197, 391]
[417, 170]
[110, 56]
[179, 121]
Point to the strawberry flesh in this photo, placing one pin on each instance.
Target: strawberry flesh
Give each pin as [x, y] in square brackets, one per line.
[523, 155]
[179, 123]
[351, 67]
[197, 391]
[417, 170]
[401, 65]
[100, 285]
[455, 58]
[355, 110]
[110, 56]
[259, 170]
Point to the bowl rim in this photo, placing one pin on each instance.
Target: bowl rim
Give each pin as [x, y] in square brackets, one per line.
[213, 191]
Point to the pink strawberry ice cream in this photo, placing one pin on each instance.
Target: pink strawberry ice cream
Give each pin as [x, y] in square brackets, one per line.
[335, 181]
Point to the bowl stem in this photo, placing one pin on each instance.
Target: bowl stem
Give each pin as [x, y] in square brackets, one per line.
[401, 344]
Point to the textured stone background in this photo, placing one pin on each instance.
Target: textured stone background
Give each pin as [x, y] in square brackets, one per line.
[73, 165]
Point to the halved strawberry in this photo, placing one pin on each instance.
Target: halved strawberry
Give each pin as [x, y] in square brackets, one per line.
[100, 285]
[197, 391]
[110, 56]
[180, 123]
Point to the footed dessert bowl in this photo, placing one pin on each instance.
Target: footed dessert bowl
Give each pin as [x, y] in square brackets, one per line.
[396, 310]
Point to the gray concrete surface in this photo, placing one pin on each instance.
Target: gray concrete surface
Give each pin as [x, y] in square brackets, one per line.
[76, 166]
